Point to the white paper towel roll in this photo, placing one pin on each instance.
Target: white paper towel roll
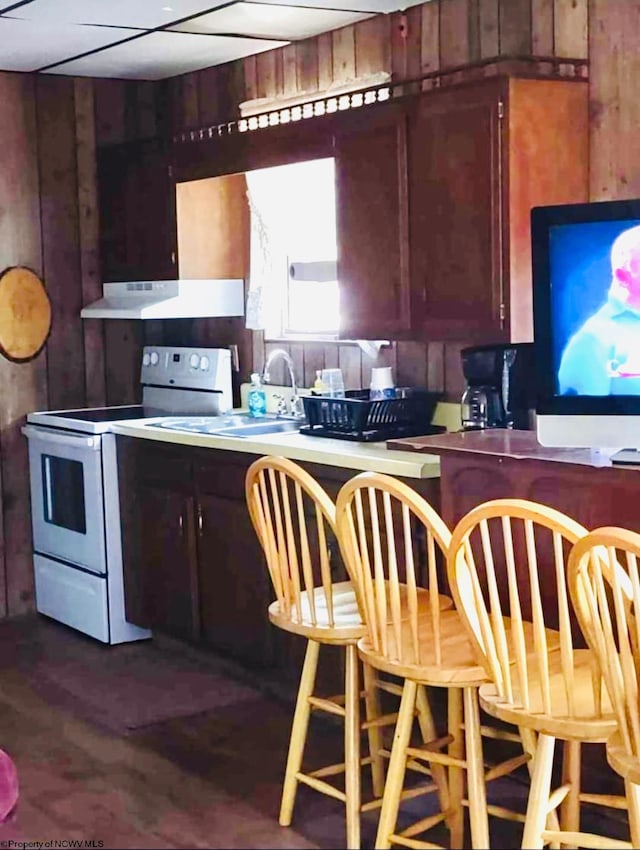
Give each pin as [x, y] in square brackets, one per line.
[321, 270]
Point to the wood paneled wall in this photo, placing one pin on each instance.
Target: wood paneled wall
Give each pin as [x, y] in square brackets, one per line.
[48, 222]
[431, 37]
[48, 190]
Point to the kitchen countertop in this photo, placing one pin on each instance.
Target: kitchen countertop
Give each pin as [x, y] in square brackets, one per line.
[520, 445]
[363, 457]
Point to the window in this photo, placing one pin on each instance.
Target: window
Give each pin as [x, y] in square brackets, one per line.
[293, 281]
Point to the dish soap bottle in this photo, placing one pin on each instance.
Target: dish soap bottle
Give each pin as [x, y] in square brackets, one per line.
[257, 397]
[318, 385]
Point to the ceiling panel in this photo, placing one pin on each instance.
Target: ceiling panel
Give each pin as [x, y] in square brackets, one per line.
[352, 5]
[29, 45]
[164, 54]
[270, 21]
[186, 35]
[147, 14]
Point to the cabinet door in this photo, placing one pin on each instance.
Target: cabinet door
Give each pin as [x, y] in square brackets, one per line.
[371, 211]
[169, 561]
[455, 213]
[137, 214]
[234, 584]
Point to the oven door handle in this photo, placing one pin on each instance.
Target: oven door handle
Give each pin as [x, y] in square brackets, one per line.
[60, 439]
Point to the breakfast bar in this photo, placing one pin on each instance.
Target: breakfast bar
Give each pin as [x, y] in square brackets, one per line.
[494, 464]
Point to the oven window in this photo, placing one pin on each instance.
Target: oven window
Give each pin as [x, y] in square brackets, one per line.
[63, 496]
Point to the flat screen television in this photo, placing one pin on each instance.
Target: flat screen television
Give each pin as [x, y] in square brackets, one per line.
[586, 316]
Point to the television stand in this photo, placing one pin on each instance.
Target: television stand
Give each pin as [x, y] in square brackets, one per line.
[625, 457]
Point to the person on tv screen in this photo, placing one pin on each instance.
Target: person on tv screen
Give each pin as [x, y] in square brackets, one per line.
[603, 356]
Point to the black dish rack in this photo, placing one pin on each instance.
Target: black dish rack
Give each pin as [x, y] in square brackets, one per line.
[356, 417]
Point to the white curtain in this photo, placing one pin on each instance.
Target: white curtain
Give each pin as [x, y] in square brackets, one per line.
[292, 219]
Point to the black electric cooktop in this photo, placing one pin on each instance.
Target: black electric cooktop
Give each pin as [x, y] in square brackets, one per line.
[103, 414]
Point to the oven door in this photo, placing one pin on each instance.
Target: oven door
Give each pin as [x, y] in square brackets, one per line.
[67, 508]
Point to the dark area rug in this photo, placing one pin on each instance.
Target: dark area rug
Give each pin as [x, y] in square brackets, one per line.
[123, 687]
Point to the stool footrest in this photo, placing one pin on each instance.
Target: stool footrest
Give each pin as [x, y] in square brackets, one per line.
[498, 734]
[424, 824]
[557, 797]
[584, 839]
[504, 814]
[389, 687]
[435, 756]
[323, 704]
[383, 720]
[414, 842]
[506, 767]
[611, 801]
[333, 769]
[322, 787]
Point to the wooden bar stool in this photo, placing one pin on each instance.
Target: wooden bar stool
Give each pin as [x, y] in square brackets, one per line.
[507, 573]
[394, 543]
[294, 520]
[604, 583]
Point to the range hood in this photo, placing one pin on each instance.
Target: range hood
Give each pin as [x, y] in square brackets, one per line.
[168, 299]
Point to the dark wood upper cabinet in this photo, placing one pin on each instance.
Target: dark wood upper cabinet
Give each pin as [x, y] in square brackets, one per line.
[455, 235]
[371, 208]
[434, 198]
[136, 195]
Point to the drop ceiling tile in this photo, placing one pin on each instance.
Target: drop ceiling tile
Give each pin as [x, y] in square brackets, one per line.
[146, 14]
[270, 21]
[158, 55]
[374, 6]
[29, 45]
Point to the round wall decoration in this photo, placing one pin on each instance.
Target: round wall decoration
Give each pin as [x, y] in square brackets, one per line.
[25, 313]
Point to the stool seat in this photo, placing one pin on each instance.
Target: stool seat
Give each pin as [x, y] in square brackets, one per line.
[621, 760]
[340, 625]
[587, 720]
[347, 622]
[457, 664]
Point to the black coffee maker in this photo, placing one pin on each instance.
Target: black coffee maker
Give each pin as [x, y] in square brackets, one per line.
[500, 386]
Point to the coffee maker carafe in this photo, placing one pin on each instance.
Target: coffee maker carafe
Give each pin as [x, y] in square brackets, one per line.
[500, 386]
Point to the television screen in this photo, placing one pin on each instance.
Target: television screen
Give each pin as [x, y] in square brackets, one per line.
[586, 312]
[596, 329]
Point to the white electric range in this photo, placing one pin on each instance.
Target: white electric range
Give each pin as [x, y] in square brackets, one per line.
[75, 504]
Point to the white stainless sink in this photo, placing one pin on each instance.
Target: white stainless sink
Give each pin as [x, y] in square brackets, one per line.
[255, 429]
[233, 425]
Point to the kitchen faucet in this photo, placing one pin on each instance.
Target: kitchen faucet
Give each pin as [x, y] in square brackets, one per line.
[296, 403]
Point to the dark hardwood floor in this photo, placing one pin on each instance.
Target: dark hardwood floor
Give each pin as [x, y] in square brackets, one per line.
[212, 779]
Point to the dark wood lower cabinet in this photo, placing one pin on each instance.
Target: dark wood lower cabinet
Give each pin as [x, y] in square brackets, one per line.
[192, 562]
[169, 560]
[233, 581]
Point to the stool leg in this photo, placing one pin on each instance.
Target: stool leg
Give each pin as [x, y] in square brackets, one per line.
[479, 821]
[536, 816]
[529, 743]
[632, 792]
[299, 732]
[397, 767]
[374, 733]
[429, 733]
[352, 747]
[570, 808]
[456, 774]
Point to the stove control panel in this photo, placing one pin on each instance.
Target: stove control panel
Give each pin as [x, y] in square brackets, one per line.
[191, 368]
